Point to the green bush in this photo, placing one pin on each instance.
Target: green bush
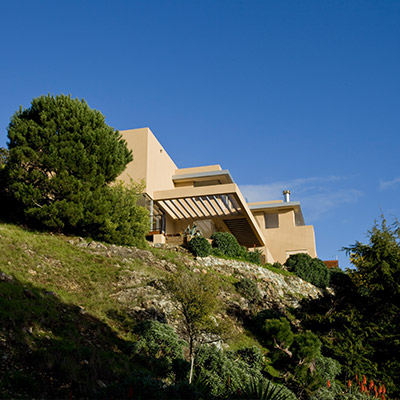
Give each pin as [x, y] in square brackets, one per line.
[222, 370]
[248, 289]
[252, 356]
[113, 215]
[278, 332]
[228, 373]
[277, 265]
[310, 269]
[226, 244]
[254, 256]
[199, 246]
[157, 347]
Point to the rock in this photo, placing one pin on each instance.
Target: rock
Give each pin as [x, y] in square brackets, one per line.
[29, 294]
[5, 278]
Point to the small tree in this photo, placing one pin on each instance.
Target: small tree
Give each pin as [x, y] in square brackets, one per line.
[279, 334]
[197, 300]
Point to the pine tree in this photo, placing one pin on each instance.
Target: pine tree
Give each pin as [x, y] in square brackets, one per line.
[61, 154]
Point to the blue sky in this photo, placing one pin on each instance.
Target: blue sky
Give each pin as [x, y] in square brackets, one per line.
[299, 95]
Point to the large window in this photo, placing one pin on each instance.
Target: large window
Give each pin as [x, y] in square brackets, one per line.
[271, 221]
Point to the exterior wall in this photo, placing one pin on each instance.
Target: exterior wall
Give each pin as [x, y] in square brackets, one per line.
[287, 238]
[137, 141]
[160, 167]
[151, 162]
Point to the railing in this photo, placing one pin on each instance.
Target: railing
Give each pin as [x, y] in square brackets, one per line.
[158, 223]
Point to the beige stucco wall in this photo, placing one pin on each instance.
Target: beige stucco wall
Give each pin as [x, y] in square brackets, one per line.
[136, 140]
[288, 238]
[151, 162]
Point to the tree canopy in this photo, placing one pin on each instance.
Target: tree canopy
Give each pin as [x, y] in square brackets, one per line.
[62, 158]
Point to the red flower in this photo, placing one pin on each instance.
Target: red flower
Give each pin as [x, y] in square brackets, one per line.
[349, 384]
[364, 380]
[371, 384]
[328, 383]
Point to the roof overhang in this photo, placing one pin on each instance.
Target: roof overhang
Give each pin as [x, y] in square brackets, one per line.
[294, 205]
[223, 176]
[223, 202]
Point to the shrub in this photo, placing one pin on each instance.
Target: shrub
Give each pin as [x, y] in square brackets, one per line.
[226, 244]
[223, 370]
[278, 333]
[252, 356]
[199, 246]
[310, 269]
[113, 215]
[327, 368]
[249, 290]
[229, 374]
[264, 389]
[157, 347]
[254, 256]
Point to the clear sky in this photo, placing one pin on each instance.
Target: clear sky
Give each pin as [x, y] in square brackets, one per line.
[299, 95]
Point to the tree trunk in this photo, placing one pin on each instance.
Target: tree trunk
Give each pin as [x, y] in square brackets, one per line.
[191, 356]
[191, 368]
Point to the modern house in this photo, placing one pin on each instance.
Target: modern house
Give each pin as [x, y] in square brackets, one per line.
[209, 197]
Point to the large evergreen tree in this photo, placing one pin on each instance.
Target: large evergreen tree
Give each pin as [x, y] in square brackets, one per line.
[359, 324]
[62, 154]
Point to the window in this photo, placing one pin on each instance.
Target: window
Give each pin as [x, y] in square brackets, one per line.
[271, 221]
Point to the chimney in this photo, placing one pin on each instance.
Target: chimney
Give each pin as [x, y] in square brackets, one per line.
[286, 196]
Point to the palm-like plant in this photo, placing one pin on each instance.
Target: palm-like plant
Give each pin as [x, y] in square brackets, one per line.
[257, 389]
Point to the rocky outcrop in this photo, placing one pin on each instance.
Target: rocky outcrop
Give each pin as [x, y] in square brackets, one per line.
[277, 290]
[142, 294]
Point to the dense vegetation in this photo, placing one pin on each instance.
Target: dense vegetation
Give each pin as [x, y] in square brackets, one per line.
[64, 325]
[359, 326]
[223, 244]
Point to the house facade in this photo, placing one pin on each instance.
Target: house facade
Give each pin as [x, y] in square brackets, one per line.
[209, 197]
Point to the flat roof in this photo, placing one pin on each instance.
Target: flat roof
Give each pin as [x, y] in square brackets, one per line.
[262, 206]
[208, 174]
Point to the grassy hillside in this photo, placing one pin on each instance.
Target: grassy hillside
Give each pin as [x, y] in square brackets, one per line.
[62, 331]
[70, 308]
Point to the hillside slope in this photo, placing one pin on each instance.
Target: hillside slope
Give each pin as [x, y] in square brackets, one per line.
[68, 308]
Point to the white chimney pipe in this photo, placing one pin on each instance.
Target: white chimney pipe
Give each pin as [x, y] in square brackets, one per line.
[286, 196]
